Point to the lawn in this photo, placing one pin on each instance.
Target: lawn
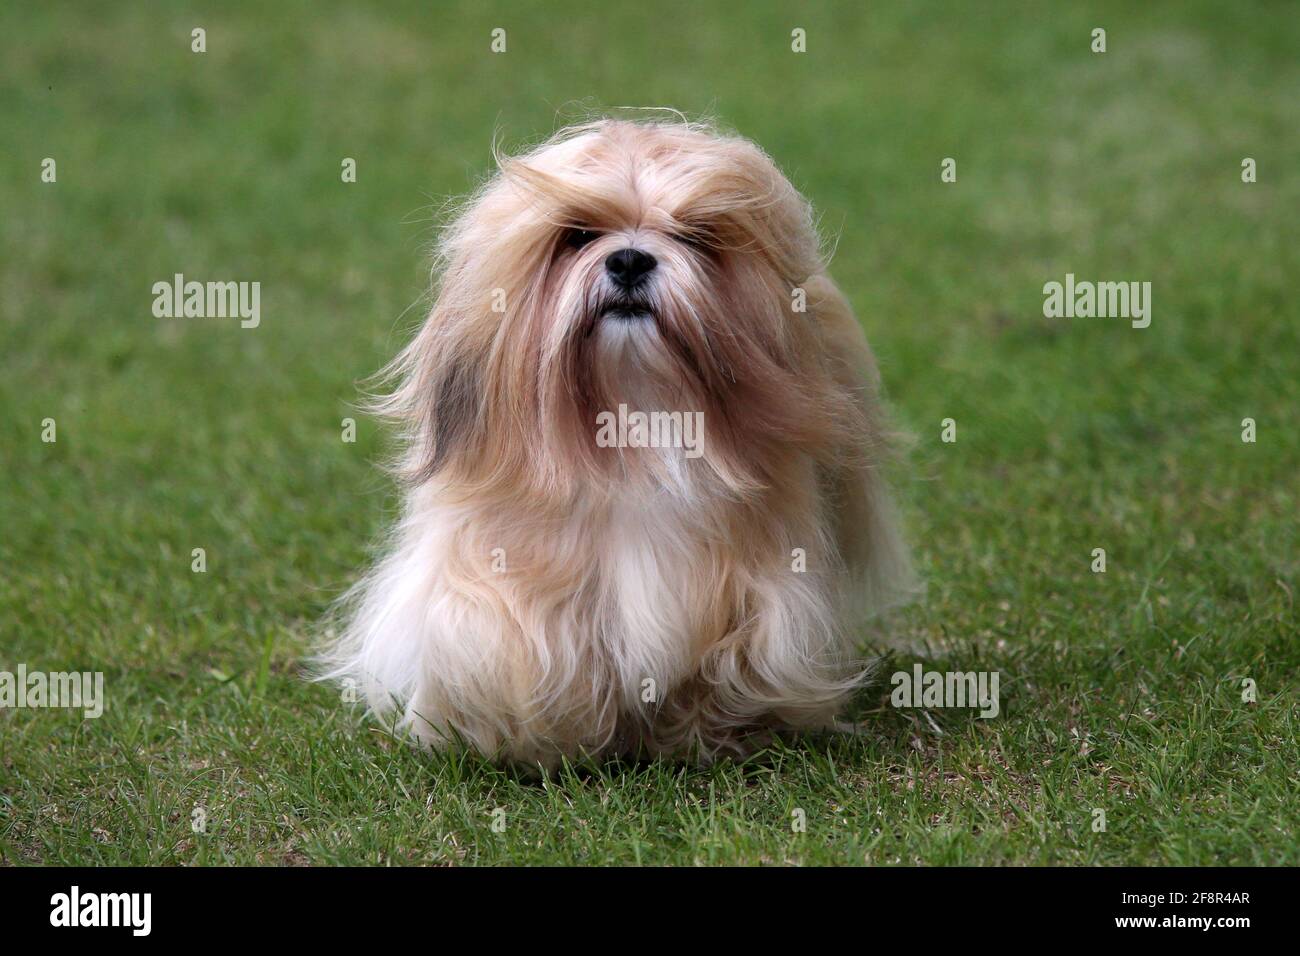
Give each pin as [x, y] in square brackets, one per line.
[1122, 692]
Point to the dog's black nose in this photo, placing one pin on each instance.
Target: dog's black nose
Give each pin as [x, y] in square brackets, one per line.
[628, 266]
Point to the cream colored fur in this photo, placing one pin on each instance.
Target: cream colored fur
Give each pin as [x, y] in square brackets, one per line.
[543, 596]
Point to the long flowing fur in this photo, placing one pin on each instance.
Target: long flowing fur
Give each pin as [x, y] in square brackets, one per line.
[543, 596]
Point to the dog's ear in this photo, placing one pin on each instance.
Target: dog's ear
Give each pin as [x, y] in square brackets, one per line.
[436, 397]
[865, 521]
[452, 420]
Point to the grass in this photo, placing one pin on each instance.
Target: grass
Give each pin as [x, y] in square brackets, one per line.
[1121, 691]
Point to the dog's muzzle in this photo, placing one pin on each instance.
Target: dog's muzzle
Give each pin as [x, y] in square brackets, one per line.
[626, 308]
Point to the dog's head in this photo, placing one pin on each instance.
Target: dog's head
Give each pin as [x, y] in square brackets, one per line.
[659, 266]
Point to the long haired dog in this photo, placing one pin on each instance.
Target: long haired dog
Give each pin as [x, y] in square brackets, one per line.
[556, 589]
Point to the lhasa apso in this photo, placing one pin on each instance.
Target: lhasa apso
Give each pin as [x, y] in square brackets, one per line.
[643, 507]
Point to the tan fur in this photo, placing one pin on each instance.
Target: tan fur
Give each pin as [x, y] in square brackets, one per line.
[628, 565]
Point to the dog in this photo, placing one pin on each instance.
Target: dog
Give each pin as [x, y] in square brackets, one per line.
[560, 588]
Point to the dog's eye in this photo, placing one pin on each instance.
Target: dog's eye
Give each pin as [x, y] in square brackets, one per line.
[577, 238]
[698, 239]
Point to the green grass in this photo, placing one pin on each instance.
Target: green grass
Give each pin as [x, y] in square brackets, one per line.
[1121, 691]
